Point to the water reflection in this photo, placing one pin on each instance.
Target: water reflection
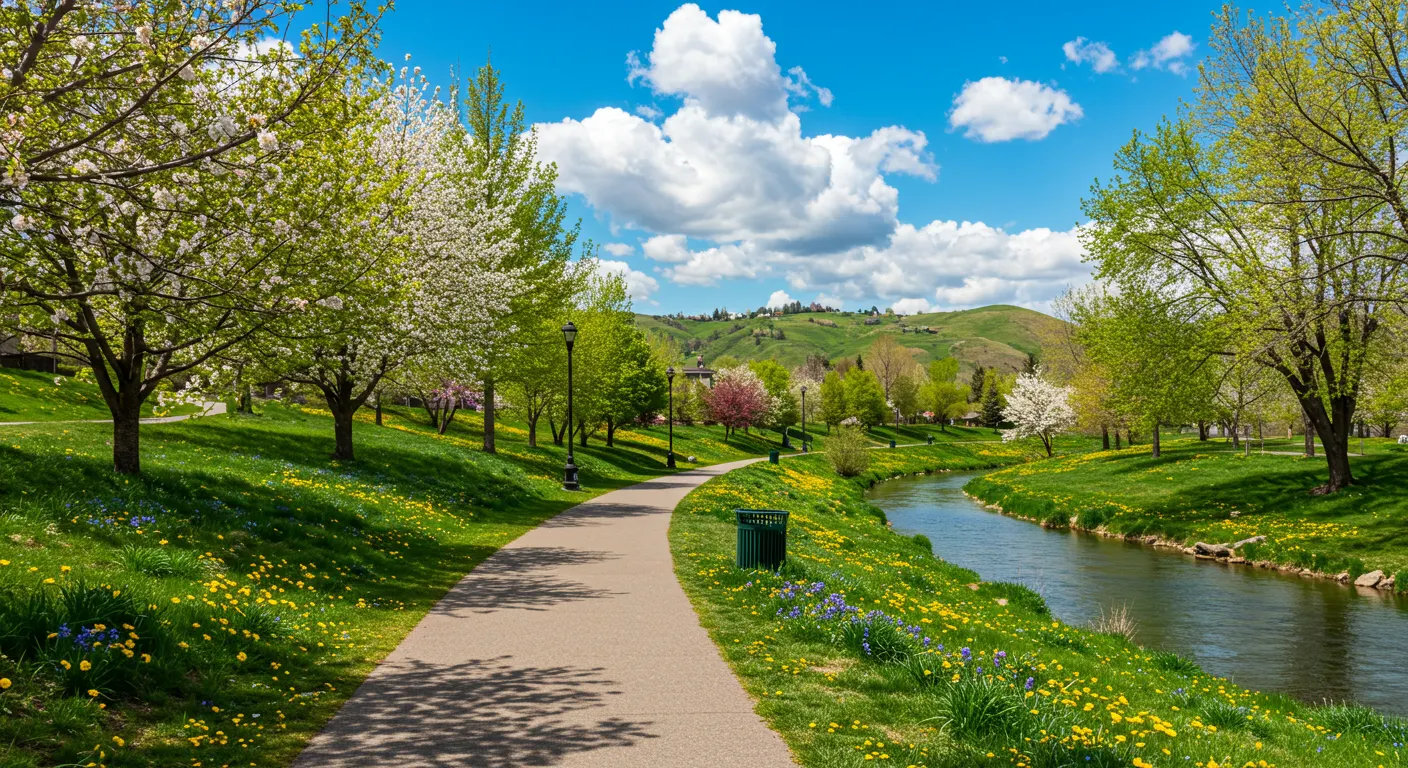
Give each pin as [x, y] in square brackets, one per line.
[1264, 630]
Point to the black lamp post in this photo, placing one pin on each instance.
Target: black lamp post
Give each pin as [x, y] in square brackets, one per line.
[804, 418]
[569, 472]
[897, 424]
[670, 454]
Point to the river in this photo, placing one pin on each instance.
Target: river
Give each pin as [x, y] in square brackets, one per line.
[1268, 631]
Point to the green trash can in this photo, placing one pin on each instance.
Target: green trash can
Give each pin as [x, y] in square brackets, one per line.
[772, 456]
[892, 443]
[931, 439]
[762, 538]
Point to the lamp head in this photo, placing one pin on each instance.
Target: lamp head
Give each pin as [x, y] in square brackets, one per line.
[670, 373]
[569, 332]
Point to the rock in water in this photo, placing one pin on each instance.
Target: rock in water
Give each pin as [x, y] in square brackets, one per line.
[1370, 579]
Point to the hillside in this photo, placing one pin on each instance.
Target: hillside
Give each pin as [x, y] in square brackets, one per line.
[999, 335]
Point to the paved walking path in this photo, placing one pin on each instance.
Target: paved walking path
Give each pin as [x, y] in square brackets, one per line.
[210, 409]
[572, 646]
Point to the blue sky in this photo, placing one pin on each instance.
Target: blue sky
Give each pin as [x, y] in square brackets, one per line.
[930, 157]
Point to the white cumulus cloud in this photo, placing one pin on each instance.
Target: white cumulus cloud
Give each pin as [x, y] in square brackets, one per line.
[1097, 54]
[778, 299]
[638, 284]
[916, 306]
[727, 186]
[1169, 54]
[997, 109]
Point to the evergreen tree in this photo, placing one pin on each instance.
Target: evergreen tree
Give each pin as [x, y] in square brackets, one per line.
[976, 384]
[992, 402]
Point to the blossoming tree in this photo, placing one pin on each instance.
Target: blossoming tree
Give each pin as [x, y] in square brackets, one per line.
[738, 399]
[167, 184]
[432, 281]
[1037, 408]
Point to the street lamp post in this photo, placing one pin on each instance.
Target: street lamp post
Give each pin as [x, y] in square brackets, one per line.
[569, 472]
[670, 454]
[804, 418]
[897, 424]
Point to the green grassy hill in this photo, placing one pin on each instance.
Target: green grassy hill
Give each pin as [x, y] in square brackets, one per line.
[1000, 336]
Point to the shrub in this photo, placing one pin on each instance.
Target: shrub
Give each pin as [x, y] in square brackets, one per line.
[1226, 716]
[160, 562]
[978, 707]
[1172, 662]
[848, 452]
[1349, 718]
[1091, 518]
[1019, 594]
[878, 638]
[923, 542]
[1116, 621]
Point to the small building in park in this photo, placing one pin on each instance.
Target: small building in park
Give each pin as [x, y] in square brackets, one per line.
[700, 373]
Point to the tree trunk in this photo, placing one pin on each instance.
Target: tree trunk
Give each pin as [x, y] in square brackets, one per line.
[378, 410]
[1117, 439]
[1309, 439]
[246, 400]
[1105, 438]
[532, 430]
[1156, 440]
[1388, 429]
[582, 431]
[1202, 430]
[489, 414]
[126, 436]
[342, 431]
[610, 432]
[1236, 434]
[1046, 443]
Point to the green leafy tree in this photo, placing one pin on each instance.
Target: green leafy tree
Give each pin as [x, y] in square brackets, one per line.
[943, 369]
[946, 399]
[783, 408]
[833, 400]
[904, 393]
[504, 151]
[636, 385]
[978, 383]
[865, 399]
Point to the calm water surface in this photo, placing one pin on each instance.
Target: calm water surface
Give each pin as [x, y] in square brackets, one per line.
[1310, 638]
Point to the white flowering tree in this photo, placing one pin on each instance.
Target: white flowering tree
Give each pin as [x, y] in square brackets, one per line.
[431, 283]
[171, 211]
[1037, 408]
[99, 90]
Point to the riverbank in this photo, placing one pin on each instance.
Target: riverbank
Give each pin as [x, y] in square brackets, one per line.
[219, 609]
[1197, 493]
[868, 648]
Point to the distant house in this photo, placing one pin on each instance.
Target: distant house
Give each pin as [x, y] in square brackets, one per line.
[970, 419]
[699, 372]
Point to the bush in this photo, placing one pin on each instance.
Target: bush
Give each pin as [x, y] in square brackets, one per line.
[976, 707]
[1019, 594]
[878, 638]
[1172, 662]
[923, 542]
[160, 562]
[848, 452]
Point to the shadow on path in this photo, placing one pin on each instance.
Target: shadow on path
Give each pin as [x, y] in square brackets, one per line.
[484, 713]
[508, 581]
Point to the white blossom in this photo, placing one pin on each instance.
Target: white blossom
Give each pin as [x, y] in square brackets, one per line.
[268, 141]
[1037, 408]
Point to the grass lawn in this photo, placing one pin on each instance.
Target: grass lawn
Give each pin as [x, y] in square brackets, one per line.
[867, 649]
[218, 609]
[33, 396]
[1202, 491]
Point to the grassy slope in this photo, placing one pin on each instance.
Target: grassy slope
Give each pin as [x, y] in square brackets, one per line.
[998, 335]
[1095, 699]
[33, 396]
[268, 581]
[1191, 493]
